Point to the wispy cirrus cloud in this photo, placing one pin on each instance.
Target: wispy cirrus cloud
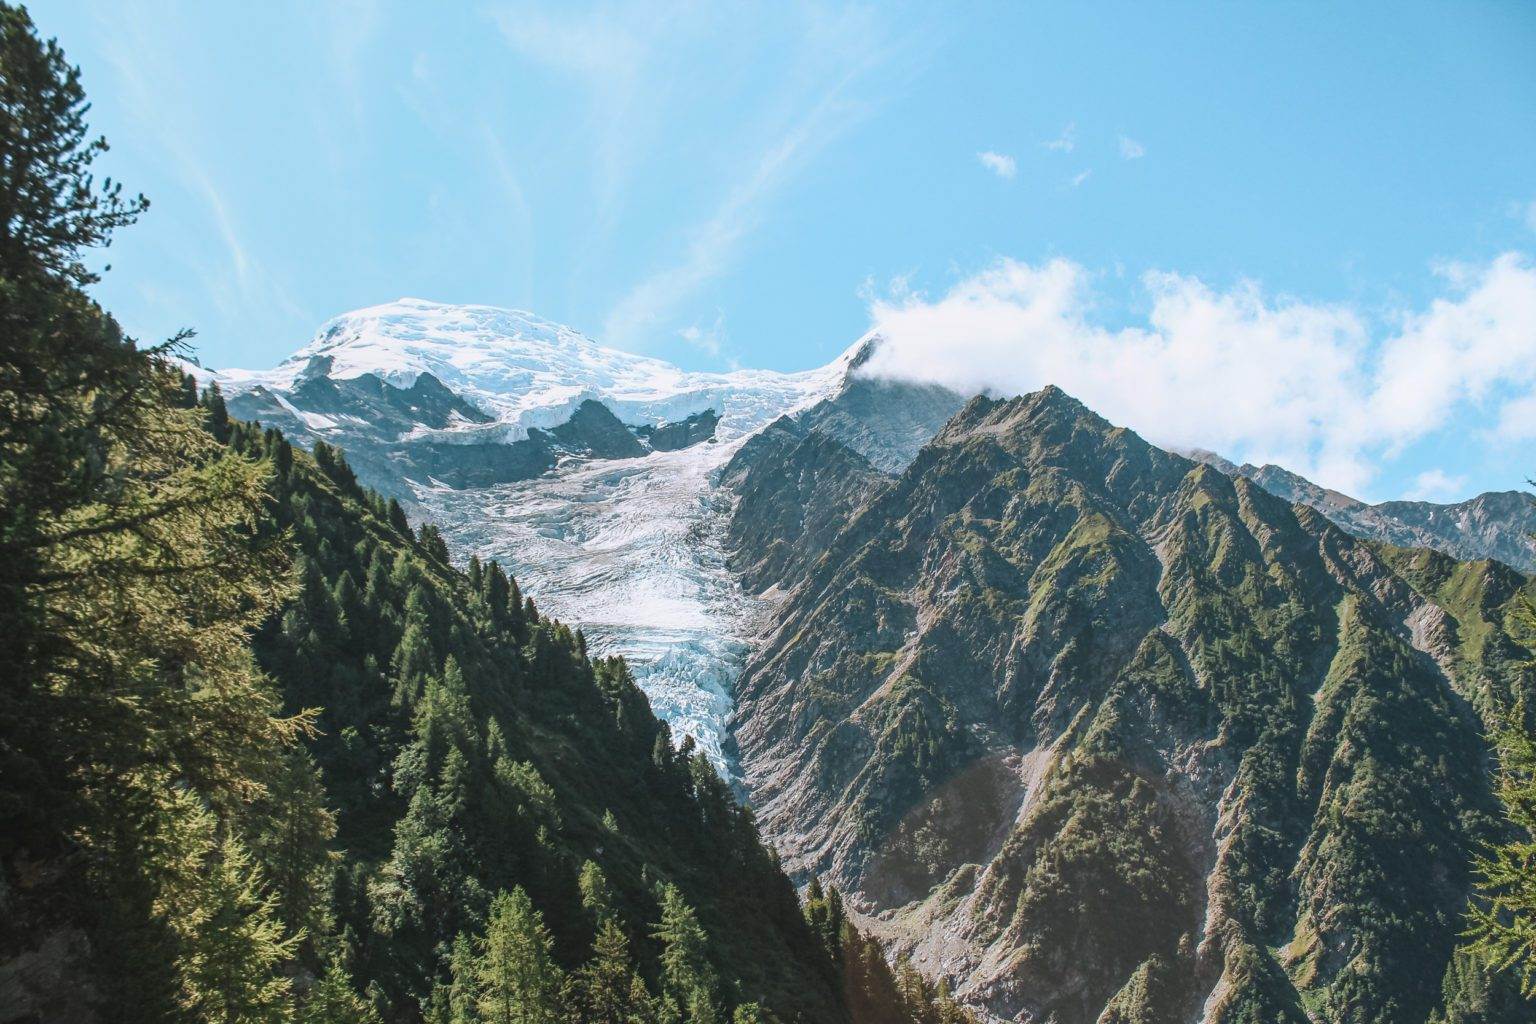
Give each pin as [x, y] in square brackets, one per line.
[1066, 142]
[1000, 164]
[1130, 149]
[147, 74]
[713, 243]
[611, 52]
[825, 95]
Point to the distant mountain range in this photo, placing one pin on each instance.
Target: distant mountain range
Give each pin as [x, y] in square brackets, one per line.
[422, 393]
[1496, 524]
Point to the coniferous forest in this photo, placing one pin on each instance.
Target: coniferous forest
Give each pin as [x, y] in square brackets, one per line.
[265, 755]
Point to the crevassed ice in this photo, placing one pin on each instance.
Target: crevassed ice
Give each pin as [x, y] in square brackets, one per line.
[630, 551]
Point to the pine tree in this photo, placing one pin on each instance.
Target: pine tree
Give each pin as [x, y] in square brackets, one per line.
[431, 540]
[1503, 915]
[519, 981]
[216, 411]
[398, 521]
[605, 986]
[456, 1001]
[50, 207]
[291, 838]
[232, 943]
[596, 895]
[332, 1000]
[687, 976]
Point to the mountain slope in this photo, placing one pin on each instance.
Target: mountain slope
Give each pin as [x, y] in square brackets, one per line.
[1095, 730]
[561, 763]
[885, 421]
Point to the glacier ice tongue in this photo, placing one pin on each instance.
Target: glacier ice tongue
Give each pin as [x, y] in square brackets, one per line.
[630, 551]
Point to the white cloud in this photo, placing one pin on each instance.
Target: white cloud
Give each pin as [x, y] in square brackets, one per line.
[1078, 179]
[1437, 485]
[1530, 215]
[1130, 149]
[1313, 387]
[1517, 419]
[1000, 164]
[709, 340]
[1066, 142]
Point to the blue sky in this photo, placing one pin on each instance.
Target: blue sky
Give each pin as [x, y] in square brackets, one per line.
[1136, 199]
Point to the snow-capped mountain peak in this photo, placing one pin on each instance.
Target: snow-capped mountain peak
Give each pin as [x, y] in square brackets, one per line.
[524, 371]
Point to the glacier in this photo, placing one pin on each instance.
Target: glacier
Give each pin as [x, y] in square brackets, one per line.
[628, 550]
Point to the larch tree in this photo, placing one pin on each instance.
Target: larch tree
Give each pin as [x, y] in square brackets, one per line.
[519, 981]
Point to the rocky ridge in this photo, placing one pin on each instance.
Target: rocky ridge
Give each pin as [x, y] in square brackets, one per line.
[1100, 733]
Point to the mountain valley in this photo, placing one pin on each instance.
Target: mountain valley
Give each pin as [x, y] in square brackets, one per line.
[1088, 729]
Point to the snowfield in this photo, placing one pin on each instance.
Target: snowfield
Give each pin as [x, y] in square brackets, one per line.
[528, 372]
[628, 550]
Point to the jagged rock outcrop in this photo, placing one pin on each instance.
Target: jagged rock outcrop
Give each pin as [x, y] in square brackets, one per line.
[684, 433]
[1098, 732]
[885, 421]
[426, 433]
[800, 486]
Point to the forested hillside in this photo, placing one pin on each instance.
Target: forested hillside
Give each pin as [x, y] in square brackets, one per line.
[265, 755]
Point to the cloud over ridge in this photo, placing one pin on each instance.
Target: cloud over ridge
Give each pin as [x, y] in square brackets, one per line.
[1319, 388]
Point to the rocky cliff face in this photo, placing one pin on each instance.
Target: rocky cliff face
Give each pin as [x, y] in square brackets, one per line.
[885, 421]
[799, 487]
[1100, 733]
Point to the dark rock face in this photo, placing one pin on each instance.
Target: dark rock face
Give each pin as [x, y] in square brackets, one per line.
[685, 433]
[1100, 733]
[387, 432]
[1496, 524]
[459, 465]
[592, 431]
[796, 488]
[884, 421]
